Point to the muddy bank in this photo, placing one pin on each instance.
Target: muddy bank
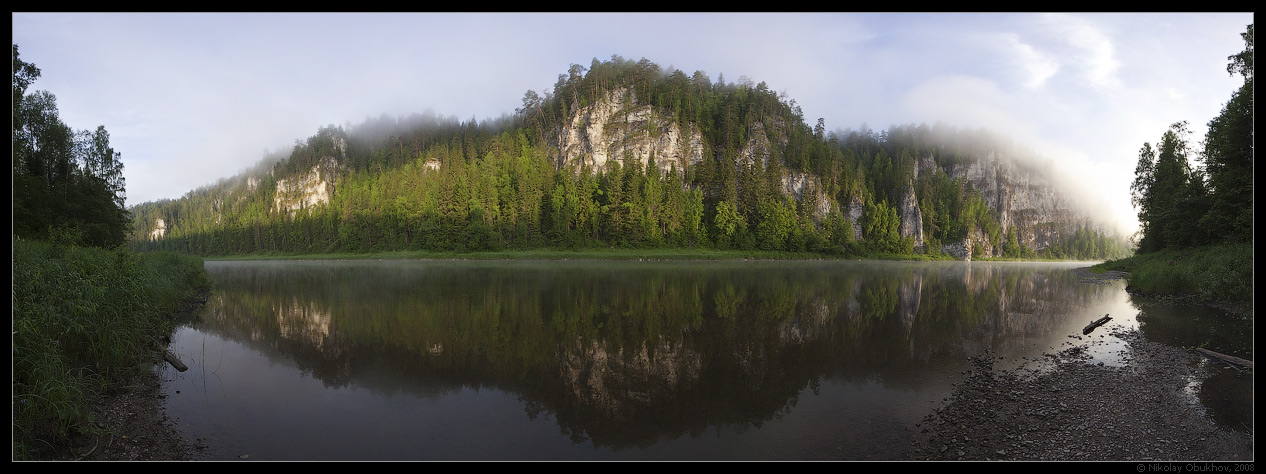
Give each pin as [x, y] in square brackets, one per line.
[133, 428]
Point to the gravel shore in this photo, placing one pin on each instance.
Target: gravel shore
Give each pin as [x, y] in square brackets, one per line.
[135, 429]
[1075, 411]
[1063, 408]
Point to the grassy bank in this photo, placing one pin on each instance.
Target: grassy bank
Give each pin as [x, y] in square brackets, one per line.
[85, 319]
[1215, 274]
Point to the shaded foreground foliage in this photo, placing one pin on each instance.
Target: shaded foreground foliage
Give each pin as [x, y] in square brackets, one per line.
[64, 181]
[83, 319]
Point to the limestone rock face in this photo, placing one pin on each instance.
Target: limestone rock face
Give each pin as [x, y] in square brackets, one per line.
[1025, 198]
[958, 250]
[801, 186]
[911, 218]
[615, 126]
[160, 229]
[855, 210]
[975, 244]
[759, 150]
[311, 189]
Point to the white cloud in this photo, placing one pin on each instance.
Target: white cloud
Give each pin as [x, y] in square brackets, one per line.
[1092, 50]
[1039, 66]
[1034, 66]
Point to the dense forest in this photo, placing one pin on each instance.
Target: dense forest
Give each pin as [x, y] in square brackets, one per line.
[66, 183]
[1195, 205]
[1184, 205]
[435, 183]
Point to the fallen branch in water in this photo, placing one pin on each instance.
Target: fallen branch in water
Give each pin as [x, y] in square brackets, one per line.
[171, 359]
[1232, 359]
[1094, 324]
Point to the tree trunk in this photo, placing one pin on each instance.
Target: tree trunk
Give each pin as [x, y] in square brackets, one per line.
[1232, 359]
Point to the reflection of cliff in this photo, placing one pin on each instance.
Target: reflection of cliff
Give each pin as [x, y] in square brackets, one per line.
[624, 354]
[610, 379]
[303, 323]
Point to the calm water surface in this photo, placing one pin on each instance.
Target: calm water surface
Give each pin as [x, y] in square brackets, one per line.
[601, 360]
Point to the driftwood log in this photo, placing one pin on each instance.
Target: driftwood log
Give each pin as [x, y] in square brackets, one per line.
[1232, 359]
[1094, 324]
[171, 359]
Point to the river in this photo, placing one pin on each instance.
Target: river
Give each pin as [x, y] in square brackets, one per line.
[615, 360]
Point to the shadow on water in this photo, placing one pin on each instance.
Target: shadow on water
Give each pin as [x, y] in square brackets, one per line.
[1227, 394]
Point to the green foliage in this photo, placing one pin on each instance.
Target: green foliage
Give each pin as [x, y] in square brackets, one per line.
[728, 223]
[62, 178]
[1183, 206]
[777, 225]
[880, 227]
[84, 318]
[1219, 273]
[1086, 243]
[1228, 156]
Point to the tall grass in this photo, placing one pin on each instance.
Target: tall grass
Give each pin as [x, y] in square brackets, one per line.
[1222, 273]
[82, 319]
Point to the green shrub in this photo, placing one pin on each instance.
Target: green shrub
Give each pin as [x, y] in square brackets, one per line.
[83, 318]
[1222, 273]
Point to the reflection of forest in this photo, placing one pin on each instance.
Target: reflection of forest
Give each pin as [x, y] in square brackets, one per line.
[624, 354]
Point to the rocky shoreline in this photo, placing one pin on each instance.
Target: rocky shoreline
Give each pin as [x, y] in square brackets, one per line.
[134, 428]
[1067, 409]
[1064, 408]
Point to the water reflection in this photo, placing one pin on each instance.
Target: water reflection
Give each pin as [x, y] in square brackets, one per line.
[634, 360]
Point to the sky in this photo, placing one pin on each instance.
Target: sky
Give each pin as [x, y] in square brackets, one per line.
[190, 98]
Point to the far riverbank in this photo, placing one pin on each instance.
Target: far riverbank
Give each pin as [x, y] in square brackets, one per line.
[608, 254]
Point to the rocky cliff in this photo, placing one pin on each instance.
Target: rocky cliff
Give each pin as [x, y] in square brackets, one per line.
[160, 229]
[1026, 199]
[615, 126]
[911, 217]
[308, 190]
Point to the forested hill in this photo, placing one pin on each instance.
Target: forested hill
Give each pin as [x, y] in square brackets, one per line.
[626, 154]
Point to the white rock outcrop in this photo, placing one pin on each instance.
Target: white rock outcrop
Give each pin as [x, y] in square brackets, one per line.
[614, 126]
[311, 189]
[911, 217]
[803, 185]
[160, 229]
